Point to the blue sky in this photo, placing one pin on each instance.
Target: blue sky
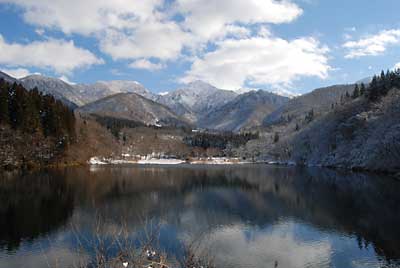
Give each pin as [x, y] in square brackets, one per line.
[293, 46]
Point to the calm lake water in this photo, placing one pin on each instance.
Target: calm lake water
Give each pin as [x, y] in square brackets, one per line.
[252, 216]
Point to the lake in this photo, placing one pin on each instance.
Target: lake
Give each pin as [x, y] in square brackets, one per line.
[245, 216]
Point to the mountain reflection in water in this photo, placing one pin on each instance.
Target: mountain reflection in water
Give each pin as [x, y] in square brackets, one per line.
[248, 216]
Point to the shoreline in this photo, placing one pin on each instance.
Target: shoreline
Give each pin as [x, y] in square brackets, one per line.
[95, 161]
[215, 161]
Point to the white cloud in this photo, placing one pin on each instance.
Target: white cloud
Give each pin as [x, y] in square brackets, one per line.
[17, 73]
[397, 66]
[262, 249]
[259, 61]
[126, 29]
[40, 32]
[146, 65]
[372, 45]
[59, 55]
[136, 29]
[209, 19]
[85, 16]
[237, 31]
[264, 31]
[164, 41]
[146, 31]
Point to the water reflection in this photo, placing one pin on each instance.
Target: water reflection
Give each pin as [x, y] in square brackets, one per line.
[249, 216]
[32, 205]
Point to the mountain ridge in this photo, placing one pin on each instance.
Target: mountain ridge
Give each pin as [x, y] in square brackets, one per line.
[246, 111]
[134, 107]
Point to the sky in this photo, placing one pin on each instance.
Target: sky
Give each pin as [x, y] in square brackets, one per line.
[286, 46]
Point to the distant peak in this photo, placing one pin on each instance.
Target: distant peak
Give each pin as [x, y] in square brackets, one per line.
[243, 90]
[199, 83]
[120, 82]
[366, 80]
[37, 76]
[42, 78]
[280, 92]
[284, 93]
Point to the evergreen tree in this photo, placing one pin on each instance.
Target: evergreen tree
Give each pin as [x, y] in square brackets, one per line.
[310, 116]
[373, 91]
[362, 89]
[356, 92]
[30, 111]
[4, 115]
[276, 137]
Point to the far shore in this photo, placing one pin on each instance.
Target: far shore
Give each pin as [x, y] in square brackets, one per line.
[171, 161]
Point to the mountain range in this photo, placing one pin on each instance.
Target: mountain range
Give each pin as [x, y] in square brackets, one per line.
[197, 103]
[334, 126]
[133, 107]
[245, 111]
[196, 99]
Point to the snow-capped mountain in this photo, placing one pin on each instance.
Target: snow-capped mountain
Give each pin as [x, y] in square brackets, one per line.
[319, 100]
[134, 107]
[7, 78]
[281, 92]
[80, 94]
[196, 99]
[102, 89]
[247, 110]
[55, 87]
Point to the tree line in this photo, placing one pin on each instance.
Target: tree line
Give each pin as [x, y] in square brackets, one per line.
[219, 140]
[32, 112]
[379, 85]
[115, 125]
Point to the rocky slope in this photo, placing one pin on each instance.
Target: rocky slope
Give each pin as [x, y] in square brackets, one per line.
[79, 94]
[246, 111]
[55, 87]
[359, 135]
[7, 78]
[196, 99]
[134, 107]
[102, 89]
[320, 101]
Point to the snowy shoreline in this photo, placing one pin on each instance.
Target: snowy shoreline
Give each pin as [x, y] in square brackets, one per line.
[168, 161]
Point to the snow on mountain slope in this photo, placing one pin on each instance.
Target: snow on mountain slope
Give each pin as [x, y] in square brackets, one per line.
[55, 87]
[245, 111]
[7, 78]
[196, 99]
[81, 94]
[101, 89]
[134, 107]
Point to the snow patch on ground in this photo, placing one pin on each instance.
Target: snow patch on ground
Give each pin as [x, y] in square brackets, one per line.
[155, 161]
[151, 160]
[97, 161]
[217, 161]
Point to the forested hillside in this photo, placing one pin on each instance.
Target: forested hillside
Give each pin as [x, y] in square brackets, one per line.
[35, 128]
[31, 111]
[362, 132]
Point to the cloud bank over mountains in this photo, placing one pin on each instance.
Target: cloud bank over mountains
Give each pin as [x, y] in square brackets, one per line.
[226, 43]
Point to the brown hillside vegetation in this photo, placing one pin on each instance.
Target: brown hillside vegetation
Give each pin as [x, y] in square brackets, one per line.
[92, 140]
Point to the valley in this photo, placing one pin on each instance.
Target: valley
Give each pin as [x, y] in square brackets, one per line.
[341, 126]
